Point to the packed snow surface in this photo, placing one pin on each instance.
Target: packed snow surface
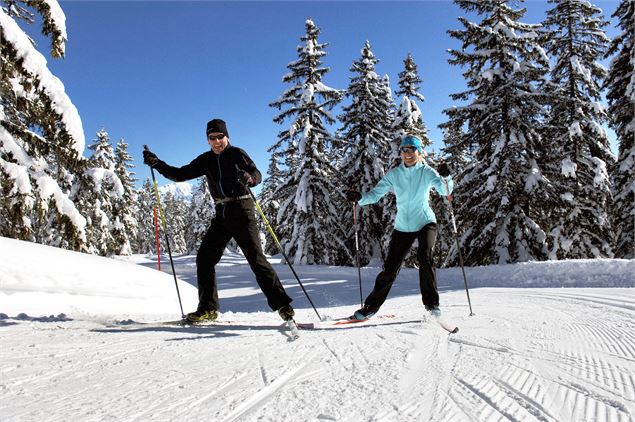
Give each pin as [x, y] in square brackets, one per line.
[80, 340]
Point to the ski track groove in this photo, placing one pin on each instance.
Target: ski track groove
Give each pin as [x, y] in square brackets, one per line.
[39, 377]
[578, 398]
[261, 366]
[596, 371]
[601, 337]
[264, 394]
[442, 399]
[418, 379]
[531, 405]
[190, 402]
[621, 303]
[492, 401]
[337, 357]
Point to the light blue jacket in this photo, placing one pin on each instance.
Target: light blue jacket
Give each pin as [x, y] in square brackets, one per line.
[412, 189]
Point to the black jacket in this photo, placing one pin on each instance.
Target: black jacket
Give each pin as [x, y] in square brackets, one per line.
[224, 171]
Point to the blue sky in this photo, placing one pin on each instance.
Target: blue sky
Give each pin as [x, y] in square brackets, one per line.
[154, 72]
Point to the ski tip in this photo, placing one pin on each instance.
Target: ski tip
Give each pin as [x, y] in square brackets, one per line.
[456, 330]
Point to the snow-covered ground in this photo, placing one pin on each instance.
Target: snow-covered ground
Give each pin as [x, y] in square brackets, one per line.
[533, 350]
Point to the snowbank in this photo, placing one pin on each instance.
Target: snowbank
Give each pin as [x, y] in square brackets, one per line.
[37, 279]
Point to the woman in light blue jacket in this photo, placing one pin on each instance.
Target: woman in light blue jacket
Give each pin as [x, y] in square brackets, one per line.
[411, 181]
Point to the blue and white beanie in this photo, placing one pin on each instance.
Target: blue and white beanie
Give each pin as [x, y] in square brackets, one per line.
[412, 141]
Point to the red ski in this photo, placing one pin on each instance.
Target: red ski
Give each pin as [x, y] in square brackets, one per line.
[353, 320]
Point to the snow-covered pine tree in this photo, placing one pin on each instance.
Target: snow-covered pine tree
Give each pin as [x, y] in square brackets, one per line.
[308, 223]
[146, 232]
[125, 229]
[366, 125]
[578, 156]
[200, 215]
[175, 211]
[621, 98]
[41, 135]
[410, 82]
[269, 203]
[100, 189]
[500, 198]
[408, 119]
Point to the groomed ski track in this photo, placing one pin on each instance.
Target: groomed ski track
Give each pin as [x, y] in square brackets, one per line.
[529, 355]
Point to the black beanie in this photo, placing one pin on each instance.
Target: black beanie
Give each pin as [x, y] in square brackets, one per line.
[216, 125]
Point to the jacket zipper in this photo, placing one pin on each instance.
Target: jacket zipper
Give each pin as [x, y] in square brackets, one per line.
[220, 177]
[220, 182]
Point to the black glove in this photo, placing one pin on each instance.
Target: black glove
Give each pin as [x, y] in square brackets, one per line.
[247, 179]
[150, 158]
[443, 169]
[353, 196]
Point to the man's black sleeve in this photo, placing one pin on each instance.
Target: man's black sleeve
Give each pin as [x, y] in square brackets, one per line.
[197, 168]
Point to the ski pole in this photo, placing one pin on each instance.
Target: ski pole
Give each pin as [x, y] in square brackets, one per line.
[165, 232]
[275, 239]
[359, 271]
[156, 237]
[458, 245]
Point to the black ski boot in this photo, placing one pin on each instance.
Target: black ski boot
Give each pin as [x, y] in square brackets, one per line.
[286, 313]
[202, 316]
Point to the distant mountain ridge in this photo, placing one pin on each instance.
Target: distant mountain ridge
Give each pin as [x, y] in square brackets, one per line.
[180, 190]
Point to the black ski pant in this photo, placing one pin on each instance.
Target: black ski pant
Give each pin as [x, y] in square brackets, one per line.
[235, 220]
[400, 244]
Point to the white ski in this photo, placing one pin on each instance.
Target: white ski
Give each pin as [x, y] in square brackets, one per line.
[452, 329]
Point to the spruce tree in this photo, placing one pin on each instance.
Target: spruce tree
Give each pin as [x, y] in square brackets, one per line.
[408, 119]
[269, 202]
[200, 215]
[41, 135]
[621, 98]
[409, 80]
[502, 192]
[366, 125]
[101, 188]
[175, 211]
[123, 208]
[308, 220]
[578, 155]
[145, 240]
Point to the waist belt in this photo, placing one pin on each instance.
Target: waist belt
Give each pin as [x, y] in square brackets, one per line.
[226, 200]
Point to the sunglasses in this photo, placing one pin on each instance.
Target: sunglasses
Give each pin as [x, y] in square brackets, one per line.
[408, 150]
[216, 137]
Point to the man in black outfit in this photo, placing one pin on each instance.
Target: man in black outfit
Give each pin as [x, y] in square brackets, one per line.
[230, 172]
